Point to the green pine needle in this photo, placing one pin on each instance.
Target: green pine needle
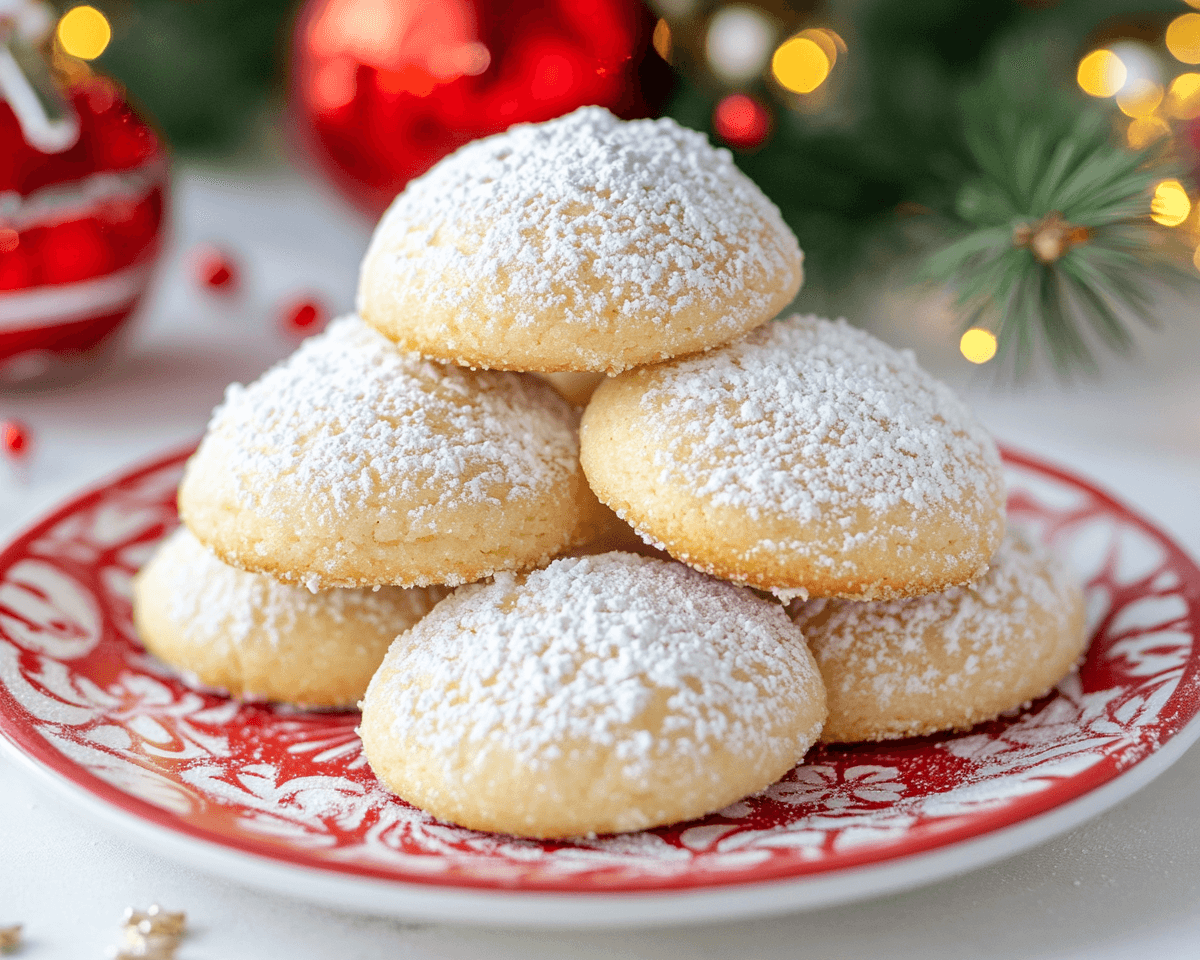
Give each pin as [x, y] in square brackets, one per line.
[1047, 176]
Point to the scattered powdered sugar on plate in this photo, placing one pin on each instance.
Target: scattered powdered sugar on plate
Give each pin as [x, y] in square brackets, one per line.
[894, 645]
[213, 600]
[807, 416]
[349, 423]
[592, 218]
[639, 656]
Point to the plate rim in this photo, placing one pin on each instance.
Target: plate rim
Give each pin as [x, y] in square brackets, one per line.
[529, 909]
[462, 901]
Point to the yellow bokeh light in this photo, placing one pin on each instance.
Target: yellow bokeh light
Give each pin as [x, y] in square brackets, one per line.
[978, 345]
[1183, 97]
[662, 39]
[800, 64]
[827, 40]
[1146, 130]
[1101, 73]
[836, 38]
[1183, 38]
[1140, 98]
[1170, 205]
[84, 32]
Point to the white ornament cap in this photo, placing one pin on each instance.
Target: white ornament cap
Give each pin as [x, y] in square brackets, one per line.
[47, 121]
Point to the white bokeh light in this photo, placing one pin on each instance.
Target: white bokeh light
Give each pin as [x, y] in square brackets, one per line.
[1141, 64]
[739, 42]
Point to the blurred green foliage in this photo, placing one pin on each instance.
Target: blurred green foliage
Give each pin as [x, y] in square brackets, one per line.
[203, 70]
[207, 70]
[893, 134]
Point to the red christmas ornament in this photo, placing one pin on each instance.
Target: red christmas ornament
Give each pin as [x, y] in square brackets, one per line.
[383, 89]
[216, 270]
[304, 317]
[741, 121]
[83, 183]
[15, 439]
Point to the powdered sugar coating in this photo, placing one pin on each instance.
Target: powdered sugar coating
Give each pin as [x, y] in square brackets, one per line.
[808, 417]
[952, 658]
[636, 656]
[355, 464]
[809, 456]
[252, 637]
[214, 601]
[351, 419]
[586, 221]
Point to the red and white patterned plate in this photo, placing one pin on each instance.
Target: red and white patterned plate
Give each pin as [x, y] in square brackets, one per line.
[284, 799]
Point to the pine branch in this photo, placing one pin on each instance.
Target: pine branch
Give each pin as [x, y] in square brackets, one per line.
[1055, 241]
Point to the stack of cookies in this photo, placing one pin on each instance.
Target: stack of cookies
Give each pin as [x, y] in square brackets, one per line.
[414, 448]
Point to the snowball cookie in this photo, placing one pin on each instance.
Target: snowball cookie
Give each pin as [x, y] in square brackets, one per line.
[808, 459]
[600, 695]
[353, 464]
[904, 668]
[584, 243]
[264, 640]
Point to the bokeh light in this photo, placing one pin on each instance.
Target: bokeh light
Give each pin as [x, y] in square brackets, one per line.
[1183, 97]
[84, 32]
[978, 345]
[1140, 98]
[1183, 38]
[662, 39]
[1101, 73]
[800, 64]
[741, 121]
[1145, 130]
[1170, 205]
[1142, 62]
[738, 43]
[828, 40]
[553, 76]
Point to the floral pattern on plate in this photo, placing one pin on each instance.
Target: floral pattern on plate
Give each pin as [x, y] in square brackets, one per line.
[80, 696]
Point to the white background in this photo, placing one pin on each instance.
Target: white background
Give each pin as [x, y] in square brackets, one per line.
[1126, 885]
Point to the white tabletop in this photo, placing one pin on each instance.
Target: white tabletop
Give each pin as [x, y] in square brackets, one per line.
[1126, 885]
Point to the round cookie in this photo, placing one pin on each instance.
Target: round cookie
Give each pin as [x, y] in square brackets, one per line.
[809, 459]
[600, 695]
[905, 668]
[260, 639]
[354, 464]
[586, 243]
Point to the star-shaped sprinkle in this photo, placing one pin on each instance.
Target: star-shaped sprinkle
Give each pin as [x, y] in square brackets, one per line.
[151, 934]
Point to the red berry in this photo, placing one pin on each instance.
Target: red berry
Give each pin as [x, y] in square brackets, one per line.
[15, 437]
[216, 269]
[304, 317]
